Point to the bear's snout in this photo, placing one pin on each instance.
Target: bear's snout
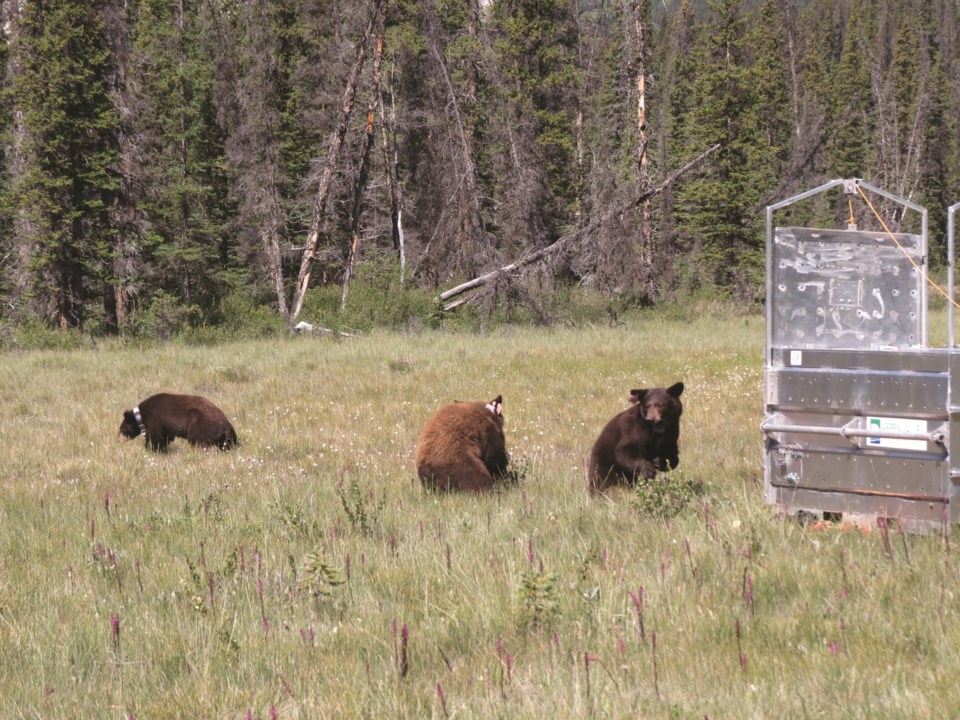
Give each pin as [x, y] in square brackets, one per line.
[653, 415]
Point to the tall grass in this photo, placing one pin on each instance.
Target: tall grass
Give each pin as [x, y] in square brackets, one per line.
[207, 584]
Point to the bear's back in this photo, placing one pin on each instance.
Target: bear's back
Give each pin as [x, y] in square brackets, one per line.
[169, 404]
[455, 427]
[624, 427]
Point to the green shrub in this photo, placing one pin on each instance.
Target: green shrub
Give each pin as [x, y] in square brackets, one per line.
[244, 315]
[376, 298]
[363, 511]
[318, 577]
[666, 495]
[539, 598]
[241, 315]
[35, 334]
[164, 317]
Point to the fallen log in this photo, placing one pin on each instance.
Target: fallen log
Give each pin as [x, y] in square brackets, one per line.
[305, 328]
[569, 238]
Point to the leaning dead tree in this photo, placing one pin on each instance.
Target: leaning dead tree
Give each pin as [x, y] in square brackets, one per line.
[364, 169]
[570, 239]
[333, 155]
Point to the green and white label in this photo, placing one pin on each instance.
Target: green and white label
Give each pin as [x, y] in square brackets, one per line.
[896, 426]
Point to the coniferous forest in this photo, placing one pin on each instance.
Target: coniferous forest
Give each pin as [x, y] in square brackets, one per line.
[164, 157]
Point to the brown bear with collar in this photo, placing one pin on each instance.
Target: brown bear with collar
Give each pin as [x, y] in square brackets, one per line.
[462, 447]
[639, 441]
[163, 417]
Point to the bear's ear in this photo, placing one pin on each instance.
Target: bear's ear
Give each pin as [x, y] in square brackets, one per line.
[675, 390]
[496, 405]
[637, 395]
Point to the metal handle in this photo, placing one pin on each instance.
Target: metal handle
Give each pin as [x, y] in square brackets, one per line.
[937, 437]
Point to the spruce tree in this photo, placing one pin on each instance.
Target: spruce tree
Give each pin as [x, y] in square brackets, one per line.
[181, 175]
[678, 77]
[720, 204]
[536, 45]
[940, 156]
[69, 178]
[907, 85]
[820, 42]
[850, 105]
[768, 85]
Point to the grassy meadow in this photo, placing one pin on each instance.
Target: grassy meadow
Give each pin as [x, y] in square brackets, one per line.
[307, 575]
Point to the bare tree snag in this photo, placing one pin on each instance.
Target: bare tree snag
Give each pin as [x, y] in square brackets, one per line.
[269, 215]
[333, 155]
[364, 170]
[471, 222]
[271, 223]
[124, 215]
[391, 162]
[578, 123]
[639, 10]
[647, 279]
[574, 237]
[250, 85]
[469, 219]
[425, 253]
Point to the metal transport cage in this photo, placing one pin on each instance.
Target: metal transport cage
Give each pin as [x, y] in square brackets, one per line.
[859, 411]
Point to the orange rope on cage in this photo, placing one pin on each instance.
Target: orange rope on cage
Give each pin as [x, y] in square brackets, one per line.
[904, 251]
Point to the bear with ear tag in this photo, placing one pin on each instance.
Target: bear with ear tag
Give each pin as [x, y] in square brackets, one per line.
[462, 447]
[640, 441]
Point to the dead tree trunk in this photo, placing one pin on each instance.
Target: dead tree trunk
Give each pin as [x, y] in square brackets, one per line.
[391, 163]
[469, 220]
[364, 170]
[333, 155]
[647, 271]
[571, 238]
[270, 229]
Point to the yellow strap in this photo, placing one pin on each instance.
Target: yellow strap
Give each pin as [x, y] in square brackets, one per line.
[903, 250]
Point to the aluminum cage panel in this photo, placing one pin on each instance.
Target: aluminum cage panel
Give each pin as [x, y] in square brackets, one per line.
[846, 289]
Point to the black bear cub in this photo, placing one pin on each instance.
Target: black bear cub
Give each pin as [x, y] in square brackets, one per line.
[639, 441]
[163, 417]
[462, 447]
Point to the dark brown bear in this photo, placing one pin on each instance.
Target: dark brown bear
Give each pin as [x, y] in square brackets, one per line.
[639, 441]
[462, 447]
[161, 418]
